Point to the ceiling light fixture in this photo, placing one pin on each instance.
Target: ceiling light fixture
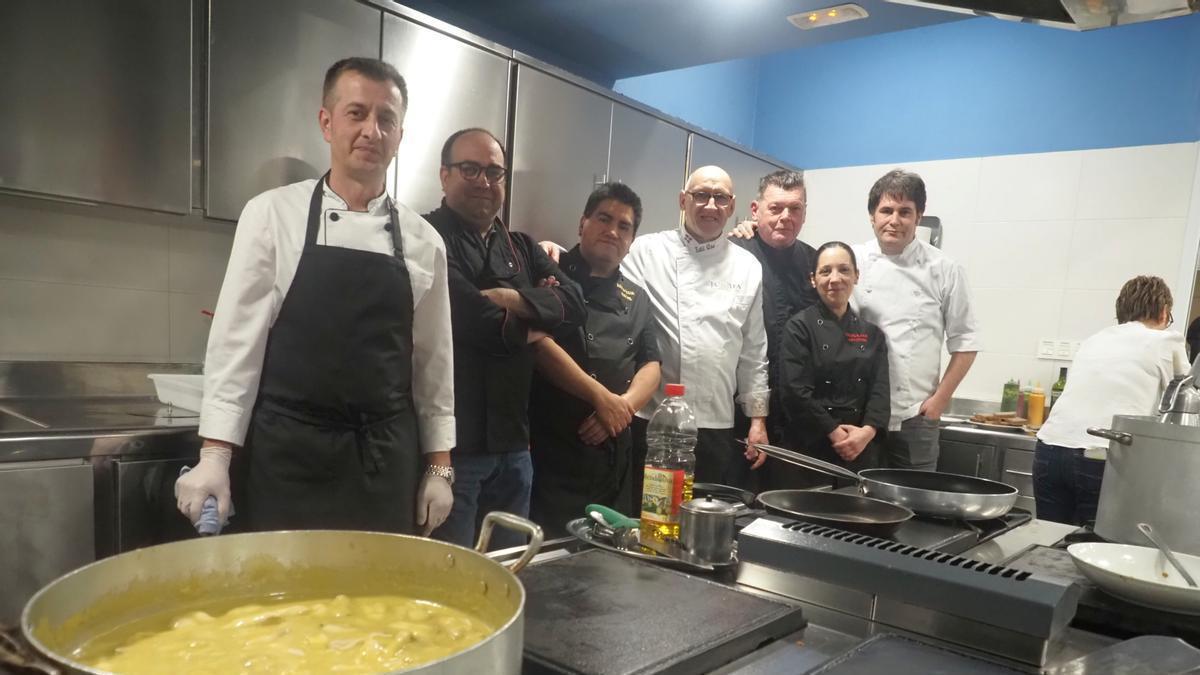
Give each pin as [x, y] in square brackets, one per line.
[827, 16]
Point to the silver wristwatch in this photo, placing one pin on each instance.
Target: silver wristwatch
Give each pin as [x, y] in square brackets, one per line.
[446, 472]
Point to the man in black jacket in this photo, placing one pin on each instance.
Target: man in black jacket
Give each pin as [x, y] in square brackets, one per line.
[787, 262]
[505, 293]
[593, 377]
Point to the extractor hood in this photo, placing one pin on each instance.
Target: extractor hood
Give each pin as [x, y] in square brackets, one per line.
[1070, 14]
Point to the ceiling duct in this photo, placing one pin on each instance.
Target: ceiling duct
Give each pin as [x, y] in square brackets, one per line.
[1069, 14]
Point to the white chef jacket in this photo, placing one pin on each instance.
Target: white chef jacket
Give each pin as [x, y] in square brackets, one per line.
[707, 302]
[916, 297]
[1122, 370]
[266, 252]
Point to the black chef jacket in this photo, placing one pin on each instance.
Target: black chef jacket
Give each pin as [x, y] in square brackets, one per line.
[493, 365]
[787, 289]
[616, 340]
[834, 371]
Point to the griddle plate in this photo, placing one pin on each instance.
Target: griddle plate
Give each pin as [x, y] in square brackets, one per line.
[598, 613]
[887, 653]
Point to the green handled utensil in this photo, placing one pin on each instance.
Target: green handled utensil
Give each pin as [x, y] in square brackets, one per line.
[614, 518]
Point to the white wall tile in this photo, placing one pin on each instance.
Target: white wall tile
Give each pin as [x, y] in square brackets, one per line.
[1028, 187]
[1086, 312]
[1107, 253]
[198, 255]
[188, 327]
[1012, 322]
[1153, 181]
[67, 243]
[1016, 254]
[73, 322]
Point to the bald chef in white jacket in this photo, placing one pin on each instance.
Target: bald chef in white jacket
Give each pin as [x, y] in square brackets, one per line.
[706, 297]
[329, 362]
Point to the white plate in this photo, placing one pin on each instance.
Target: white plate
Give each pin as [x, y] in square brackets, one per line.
[1140, 575]
[996, 427]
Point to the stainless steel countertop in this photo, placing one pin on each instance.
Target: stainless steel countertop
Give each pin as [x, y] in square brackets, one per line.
[959, 429]
[38, 429]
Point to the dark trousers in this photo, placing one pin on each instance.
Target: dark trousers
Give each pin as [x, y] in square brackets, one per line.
[1066, 485]
[486, 482]
[718, 460]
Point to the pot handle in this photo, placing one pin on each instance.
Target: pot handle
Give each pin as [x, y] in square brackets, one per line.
[512, 522]
[1118, 436]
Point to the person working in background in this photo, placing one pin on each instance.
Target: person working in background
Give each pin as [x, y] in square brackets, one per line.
[327, 359]
[834, 371]
[504, 294]
[1121, 370]
[772, 236]
[593, 377]
[917, 295]
[706, 296]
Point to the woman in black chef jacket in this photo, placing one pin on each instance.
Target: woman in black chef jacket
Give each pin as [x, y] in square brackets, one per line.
[835, 370]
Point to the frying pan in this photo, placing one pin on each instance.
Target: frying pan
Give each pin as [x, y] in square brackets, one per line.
[929, 493]
[843, 511]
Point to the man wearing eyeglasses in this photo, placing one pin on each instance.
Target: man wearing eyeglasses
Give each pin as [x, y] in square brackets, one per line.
[706, 297]
[505, 293]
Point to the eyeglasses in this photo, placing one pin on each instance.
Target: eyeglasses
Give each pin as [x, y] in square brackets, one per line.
[720, 198]
[471, 170]
[1170, 318]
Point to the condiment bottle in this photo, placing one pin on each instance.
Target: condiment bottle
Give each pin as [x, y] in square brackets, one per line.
[1020, 400]
[1008, 401]
[1037, 406]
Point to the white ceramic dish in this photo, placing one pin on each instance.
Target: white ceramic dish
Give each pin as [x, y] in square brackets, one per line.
[1140, 575]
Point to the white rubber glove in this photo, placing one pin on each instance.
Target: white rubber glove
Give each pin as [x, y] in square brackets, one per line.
[210, 476]
[434, 499]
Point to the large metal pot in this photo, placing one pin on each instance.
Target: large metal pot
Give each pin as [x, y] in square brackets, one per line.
[77, 607]
[1150, 477]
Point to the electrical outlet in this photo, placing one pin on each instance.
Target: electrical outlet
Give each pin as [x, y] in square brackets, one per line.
[1046, 348]
[1062, 349]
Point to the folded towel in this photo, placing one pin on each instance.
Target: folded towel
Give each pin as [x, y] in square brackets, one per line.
[209, 523]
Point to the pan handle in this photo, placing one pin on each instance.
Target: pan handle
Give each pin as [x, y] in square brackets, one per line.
[512, 522]
[1118, 436]
[806, 462]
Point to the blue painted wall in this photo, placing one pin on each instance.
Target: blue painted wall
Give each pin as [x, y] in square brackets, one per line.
[720, 97]
[965, 89]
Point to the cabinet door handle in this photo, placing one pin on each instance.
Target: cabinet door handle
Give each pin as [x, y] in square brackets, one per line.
[1019, 473]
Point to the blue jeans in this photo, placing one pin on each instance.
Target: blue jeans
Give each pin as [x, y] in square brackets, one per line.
[1066, 485]
[485, 483]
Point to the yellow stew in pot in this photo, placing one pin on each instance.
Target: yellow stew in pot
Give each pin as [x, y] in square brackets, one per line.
[364, 634]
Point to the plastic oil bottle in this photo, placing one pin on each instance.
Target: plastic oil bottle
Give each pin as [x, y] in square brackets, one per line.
[670, 465]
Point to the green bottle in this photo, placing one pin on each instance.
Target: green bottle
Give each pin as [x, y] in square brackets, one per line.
[1057, 389]
[1008, 401]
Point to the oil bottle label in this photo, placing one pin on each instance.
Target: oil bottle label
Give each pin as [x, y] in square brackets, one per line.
[662, 493]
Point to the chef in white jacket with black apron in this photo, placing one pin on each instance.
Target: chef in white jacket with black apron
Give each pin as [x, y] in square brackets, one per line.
[329, 358]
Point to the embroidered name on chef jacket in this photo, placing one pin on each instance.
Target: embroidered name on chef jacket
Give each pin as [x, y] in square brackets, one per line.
[856, 338]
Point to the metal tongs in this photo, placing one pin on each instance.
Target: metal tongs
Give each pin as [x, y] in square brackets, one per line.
[801, 460]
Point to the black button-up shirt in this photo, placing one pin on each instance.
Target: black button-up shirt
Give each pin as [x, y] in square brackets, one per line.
[787, 290]
[493, 364]
[835, 371]
[617, 338]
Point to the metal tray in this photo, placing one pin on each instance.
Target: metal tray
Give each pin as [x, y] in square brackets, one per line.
[581, 528]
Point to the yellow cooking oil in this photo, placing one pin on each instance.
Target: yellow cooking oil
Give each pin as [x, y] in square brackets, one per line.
[667, 485]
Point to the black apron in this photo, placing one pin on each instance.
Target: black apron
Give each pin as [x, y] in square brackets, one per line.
[333, 437]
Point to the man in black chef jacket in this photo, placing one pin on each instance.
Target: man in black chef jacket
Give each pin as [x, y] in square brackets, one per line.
[327, 356]
[778, 213]
[592, 378]
[504, 294]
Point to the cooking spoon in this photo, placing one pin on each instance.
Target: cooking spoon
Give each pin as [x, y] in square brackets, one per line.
[1162, 546]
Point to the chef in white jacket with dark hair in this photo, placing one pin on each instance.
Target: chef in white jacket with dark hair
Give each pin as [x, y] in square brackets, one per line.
[706, 297]
[329, 359]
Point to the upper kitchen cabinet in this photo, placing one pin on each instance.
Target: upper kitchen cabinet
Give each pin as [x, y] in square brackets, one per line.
[451, 85]
[98, 100]
[267, 62]
[745, 169]
[650, 156]
[560, 152]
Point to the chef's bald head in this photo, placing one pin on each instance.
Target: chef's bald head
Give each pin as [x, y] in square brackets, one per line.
[709, 173]
[707, 202]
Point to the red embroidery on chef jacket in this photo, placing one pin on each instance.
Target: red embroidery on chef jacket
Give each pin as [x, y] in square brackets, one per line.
[856, 338]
